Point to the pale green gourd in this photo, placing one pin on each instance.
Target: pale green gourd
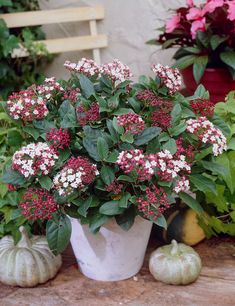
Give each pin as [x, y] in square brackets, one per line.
[28, 263]
[175, 264]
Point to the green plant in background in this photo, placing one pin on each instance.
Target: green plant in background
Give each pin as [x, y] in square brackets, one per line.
[221, 207]
[17, 73]
[11, 138]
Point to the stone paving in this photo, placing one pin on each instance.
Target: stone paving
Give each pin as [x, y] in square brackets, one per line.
[215, 286]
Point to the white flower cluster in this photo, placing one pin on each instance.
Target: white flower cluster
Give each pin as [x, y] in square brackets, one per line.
[84, 66]
[182, 185]
[34, 159]
[170, 77]
[75, 175]
[116, 70]
[208, 133]
[170, 166]
[50, 85]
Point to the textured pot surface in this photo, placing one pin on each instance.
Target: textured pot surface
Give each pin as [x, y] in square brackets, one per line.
[217, 81]
[112, 254]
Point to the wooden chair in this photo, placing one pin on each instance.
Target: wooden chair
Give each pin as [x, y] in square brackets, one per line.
[93, 42]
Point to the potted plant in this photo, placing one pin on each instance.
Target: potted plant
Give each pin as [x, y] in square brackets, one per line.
[106, 156]
[205, 37]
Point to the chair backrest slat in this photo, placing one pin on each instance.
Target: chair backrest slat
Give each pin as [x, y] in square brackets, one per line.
[33, 18]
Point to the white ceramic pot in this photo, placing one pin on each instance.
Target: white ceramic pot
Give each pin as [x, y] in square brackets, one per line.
[112, 254]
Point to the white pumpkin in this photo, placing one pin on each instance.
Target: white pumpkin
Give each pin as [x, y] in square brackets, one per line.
[175, 264]
[28, 263]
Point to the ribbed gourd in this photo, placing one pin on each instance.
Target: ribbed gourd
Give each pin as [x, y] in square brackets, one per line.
[175, 264]
[29, 262]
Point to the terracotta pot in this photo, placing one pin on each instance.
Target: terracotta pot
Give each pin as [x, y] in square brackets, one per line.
[217, 81]
[112, 254]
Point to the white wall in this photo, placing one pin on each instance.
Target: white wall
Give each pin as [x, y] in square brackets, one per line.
[128, 24]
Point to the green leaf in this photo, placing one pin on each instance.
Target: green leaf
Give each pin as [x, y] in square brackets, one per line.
[14, 138]
[85, 205]
[68, 115]
[201, 93]
[227, 160]
[107, 174]
[58, 234]
[228, 58]
[176, 113]
[127, 219]
[97, 221]
[135, 104]
[199, 67]
[218, 200]
[160, 221]
[123, 202]
[127, 138]
[90, 141]
[178, 129]
[216, 40]
[3, 190]
[215, 168]
[125, 178]
[102, 148]
[221, 124]
[203, 38]
[203, 183]
[113, 157]
[170, 145]
[118, 128]
[11, 43]
[31, 131]
[191, 202]
[87, 86]
[111, 208]
[147, 135]
[45, 182]
[184, 62]
[13, 177]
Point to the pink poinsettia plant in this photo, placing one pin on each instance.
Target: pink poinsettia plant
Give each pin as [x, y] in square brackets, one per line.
[204, 35]
[98, 147]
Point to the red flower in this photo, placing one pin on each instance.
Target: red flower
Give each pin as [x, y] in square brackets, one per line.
[161, 119]
[153, 203]
[88, 115]
[38, 204]
[203, 107]
[131, 122]
[59, 139]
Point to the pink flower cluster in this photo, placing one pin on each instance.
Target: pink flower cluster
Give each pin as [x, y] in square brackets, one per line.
[71, 94]
[34, 159]
[197, 15]
[169, 76]
[182, 185]
[203, 107]
[58, 139]
[135, 162]
[116, 70]
[131, 122]
[38, 204]
[88, 115]
[75, 175]
[49, 87]
[115, 187]
[161, 119]
[85, 66]
[208, 133]
[27, 105]
[154, 203]
[171, 166]
[168, 167]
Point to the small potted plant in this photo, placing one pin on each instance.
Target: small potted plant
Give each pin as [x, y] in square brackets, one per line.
[108, 157]
[205, 37]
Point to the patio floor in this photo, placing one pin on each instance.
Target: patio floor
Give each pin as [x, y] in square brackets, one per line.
[215, 286]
